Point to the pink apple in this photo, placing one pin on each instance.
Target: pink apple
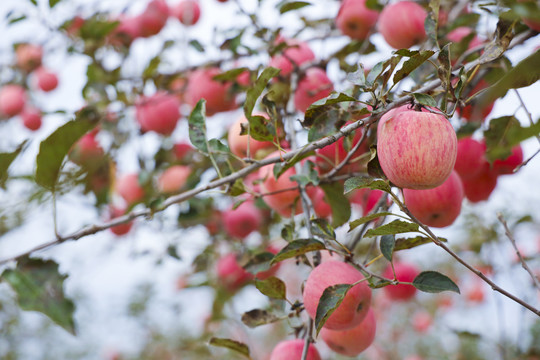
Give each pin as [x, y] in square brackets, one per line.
[129, 188]
[416, 150]
[187, 11]
[292, 350]
[320, 205]
[332, 155]
[473, 113]
[239, 144]
[128, 29]
[31, 118]
[154, 18]
[46, 80]
[218, 94]
[295, 54]
[243, 220]
[351, 342]
[87, 150]
[470, 157]
[356, 303]
[181, 150]
[230, 273]
[355, 20]
[12, 99]
[159, 113]
[173, 179]
[314, 86]
[366, 198]
[405, 272]
[506, 166]
[437, 207]
[121, 229]
[480, 187]
[28, 56]
[422, 321]
[402, 24]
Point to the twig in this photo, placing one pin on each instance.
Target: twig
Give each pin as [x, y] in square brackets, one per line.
[308, 339]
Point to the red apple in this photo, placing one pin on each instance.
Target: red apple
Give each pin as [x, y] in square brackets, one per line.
[230, 273]
[356, 303]
[470, 157]
[479, 187]
[292, 350]
[313, 86]
[218, 94]
[121, 229]
[154, 18]
[129, 188]
[506, 166]
[173, 179]
[473, 113]
[416, 150]
[437, 207]
[28, 56]
[46, 80]
[182, 149]
[87, 150]
[352, 342]
[296, 53]
[355, 20]
[402, 24]
[462, 32]
[159, 113]
[405, 272]
[12, 99]
[422, 321]
[243, 220]
[332, 155]
[320, 205]
[366, 198]
[128, 29]
[187, 11]
[239, 144]
[31, 118]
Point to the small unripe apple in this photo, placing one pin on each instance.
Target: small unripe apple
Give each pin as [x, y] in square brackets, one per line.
[437, 207]
[154, 18]
[472, 112]
[506, 166]
[243, 220]
[159, 113]
[402, 24]
[480, 187]
[28, 56]
[187, 11]
[470, 157]
[313, 86]
[129, 188]
[46, 80]
[230, 273]
[405, 272]
[173, 179]
[296, 54]
[351, 342]
[218, 94]
[292, 350]
[12, 99]
[121, 229]
[239, 144]
[355, 20]
[31, 118]
[355, 304]
[416, 150]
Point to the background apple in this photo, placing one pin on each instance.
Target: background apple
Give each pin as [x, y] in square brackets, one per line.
[402, 24]
[292, 350]
[12, 99]
[405, 272]
[355, 20]
[159, 113]
[313, 86]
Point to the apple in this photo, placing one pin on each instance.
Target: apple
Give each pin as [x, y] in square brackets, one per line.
[28, 56]
[243, 220]
[173, 179]
[332, 155]
[31, 118]
[422, 321]
[12, 99]
[458, 34]
[480, 187]
[187, 11]
[366, 198]
[296, 52]
[129, 188]
[437, 207]
[470, 157]
[46, 80]
[87, 150]
[405, 272]
[154, 18]
[473, 113]
[356, 303]
[230, 273]
[416, 150]
[182, 149]
[159, 113]
[506, 166]
[402, 24]
[292, 350]
[218, 94]
[128, 29]
[314, 86]
[239, 144]
[121, 229]
[178, 87]
[355, 20]
[320, 205]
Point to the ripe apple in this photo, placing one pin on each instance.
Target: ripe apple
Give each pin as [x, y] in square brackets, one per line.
[173, 179]
[473, 113]
[154, 18]
[437, 207]
[31, 118]
[470, 157]
[506, 166]
[332, 155]
[296, 52]
[121, 229]
[321, 207]
[404, 272]
[87, 150]
[243, 220]
[46, 80]
[218, 94]
[230, 273]
[28, 56]
[129, 188]
[356, 303]
[159, 113]
[366, 198]
[313, 86]
[355, 20]
[402, 24]
[182, 149]
[12, 99]
[417, 150]
[351, 342]
[128, 29]
[479, 187]
[292, 350]
[187, 11]
[239, 144]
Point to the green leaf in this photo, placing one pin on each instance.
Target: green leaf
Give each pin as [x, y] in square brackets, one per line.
[197, 126]
[34, 2]
[54, 148]
[152, 67]
[374, 5]
[503, 35]
[230, 75]
[375, 72]
[395, 227]
[258, 317]
[259, 262]
[361, 182]
[387, 245]
[323, 229]
[233, 345]
[5, 161]
[295, 5]
[432, 21]
[409, 243]
[237, 188]
[411, 64]
[280, 168]
[308, 176]
[434, 282]
[257, 89]
[324, 120]
[355, 223]
[16, 19]
[330, 300]
[53, 3]
[196, 45]
[297, 247]
[341, 207]
[39, 287]
[504, 133]
[424, 99]
[333, 98]
[272, 287]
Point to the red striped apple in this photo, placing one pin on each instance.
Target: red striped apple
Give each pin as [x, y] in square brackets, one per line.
[239, 144]
[159, 113]
[507, 165]
[292, 350]
[230, 273]
[480, 187]
[121, 229]
[154, 18]
[129, 188]
[243, 220]
[28, 56]
[470, 157]
[402, 24]
[187, 12]
[472, 112]
[314, 86]
[355, 20]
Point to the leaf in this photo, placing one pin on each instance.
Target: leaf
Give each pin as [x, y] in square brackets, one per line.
[39, 287]
[434, 282]
[230, 75]
[322, 229]
[297, 247]
[5, 161]
[355, 223]
[308, 175]
[281, 167]
[333, 98]
[272, 287]
[409, 243]
[34, 2]
[53, 3]
[432, 21]
[341, 207]
[196, 45]
[257, 89]
[197, 126]
[387, 245]
[424, 99]
[54, 148]
[330, 300]
[258, 317]
[395, 227]
[295, 5]
[231, 345]
[503, 35]
[324, 121]
[361, 182]
[504, 133]
[259, 262]
[374, 5]
[410, 65]
[237, 188]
